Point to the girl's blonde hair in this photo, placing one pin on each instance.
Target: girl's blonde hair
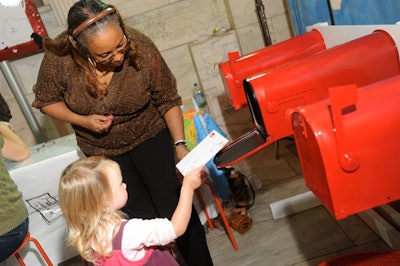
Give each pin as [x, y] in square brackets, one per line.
[85, 194]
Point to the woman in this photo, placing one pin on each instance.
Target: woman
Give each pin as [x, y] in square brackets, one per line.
[111, 83]
[13, 213]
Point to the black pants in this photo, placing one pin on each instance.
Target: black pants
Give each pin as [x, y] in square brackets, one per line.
[153, 191]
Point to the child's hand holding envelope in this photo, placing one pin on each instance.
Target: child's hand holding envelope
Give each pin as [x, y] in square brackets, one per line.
[203, 152]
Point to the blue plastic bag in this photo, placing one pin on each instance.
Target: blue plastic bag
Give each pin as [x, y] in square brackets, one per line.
[204, 124]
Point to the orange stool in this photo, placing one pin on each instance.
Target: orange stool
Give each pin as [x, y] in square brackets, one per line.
[221, 211]
[38, 246]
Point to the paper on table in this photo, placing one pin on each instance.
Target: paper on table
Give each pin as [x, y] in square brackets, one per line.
[202, 153]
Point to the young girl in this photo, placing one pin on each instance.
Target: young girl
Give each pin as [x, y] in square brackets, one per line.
[91, 195]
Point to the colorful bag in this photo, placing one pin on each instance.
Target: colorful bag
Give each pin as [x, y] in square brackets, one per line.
[197, 126]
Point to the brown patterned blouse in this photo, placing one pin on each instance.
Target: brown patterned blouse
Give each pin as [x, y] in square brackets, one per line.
[137, 99]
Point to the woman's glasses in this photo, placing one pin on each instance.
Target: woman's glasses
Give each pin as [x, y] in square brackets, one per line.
[119, 50]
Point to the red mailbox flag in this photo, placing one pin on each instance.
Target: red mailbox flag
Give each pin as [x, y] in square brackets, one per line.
[342, 98]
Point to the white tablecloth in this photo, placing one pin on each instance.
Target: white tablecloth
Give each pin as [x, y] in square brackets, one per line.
[37, 175]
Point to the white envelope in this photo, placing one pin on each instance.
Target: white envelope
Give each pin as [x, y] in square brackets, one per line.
[203, 152]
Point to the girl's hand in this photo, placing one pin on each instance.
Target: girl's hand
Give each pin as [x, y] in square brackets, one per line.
[193, 179]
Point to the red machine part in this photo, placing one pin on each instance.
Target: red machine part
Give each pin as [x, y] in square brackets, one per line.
[29, 47]
[270, 94]
[348, 146]
[237, 68]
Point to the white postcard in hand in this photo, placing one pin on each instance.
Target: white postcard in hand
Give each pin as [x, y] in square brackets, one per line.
[203, 152]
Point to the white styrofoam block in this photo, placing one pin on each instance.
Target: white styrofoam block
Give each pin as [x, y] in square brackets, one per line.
[294, 205]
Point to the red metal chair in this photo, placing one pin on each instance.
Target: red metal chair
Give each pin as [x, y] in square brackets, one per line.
[38, 246]
[220, 209]
[221, 212]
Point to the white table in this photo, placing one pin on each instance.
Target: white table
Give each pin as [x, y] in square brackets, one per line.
[37, 175]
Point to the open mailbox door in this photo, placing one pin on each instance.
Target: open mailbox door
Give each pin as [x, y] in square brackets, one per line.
[252, 141]
[272, 93]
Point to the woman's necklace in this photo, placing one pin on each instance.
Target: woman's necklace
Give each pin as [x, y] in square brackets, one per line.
[100, 74]
[104, 77]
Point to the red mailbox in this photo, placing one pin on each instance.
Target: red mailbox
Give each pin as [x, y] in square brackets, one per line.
[348, 146]
[270, 94]
[237, 68]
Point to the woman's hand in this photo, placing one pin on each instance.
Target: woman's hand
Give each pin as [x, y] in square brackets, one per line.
[99, 123]
[95, 123]
[181, 151]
